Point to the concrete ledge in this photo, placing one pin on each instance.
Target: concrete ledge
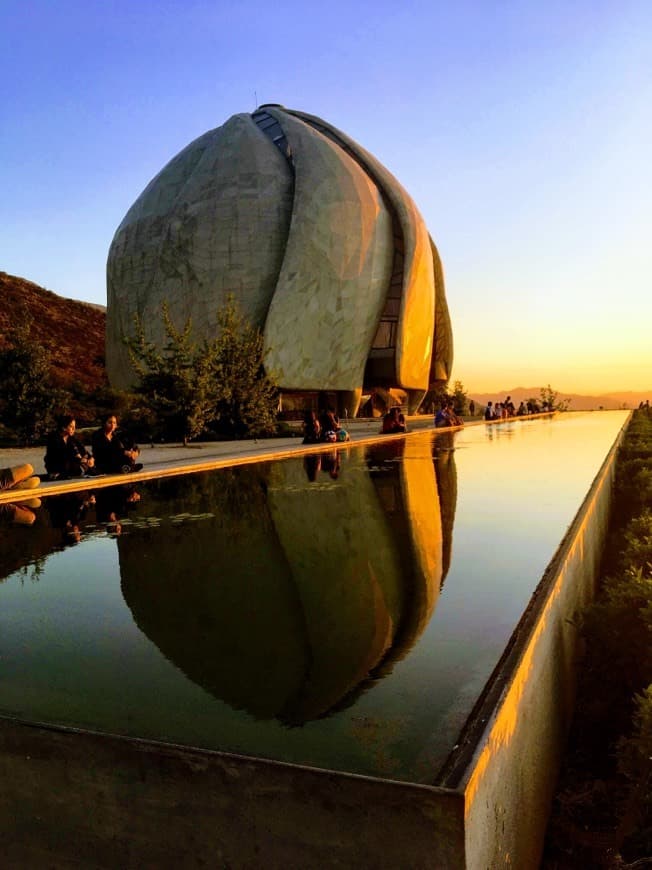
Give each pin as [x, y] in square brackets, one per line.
[508, 758]
[78, 799]
[75, 798]
[208, 456]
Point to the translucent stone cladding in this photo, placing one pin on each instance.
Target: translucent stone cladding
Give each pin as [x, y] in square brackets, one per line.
[320, 245]
[333, 282]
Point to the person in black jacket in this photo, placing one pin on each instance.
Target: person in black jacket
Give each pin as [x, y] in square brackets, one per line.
[65, 455]
[112, 455]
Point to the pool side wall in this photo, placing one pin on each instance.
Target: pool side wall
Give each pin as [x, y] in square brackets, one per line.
[72, 798]
[76, 799]
[509, 783]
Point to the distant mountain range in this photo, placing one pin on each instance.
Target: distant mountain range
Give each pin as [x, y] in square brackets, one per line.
[608, 401]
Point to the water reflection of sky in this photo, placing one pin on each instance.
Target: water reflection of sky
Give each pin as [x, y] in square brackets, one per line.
[280, 612]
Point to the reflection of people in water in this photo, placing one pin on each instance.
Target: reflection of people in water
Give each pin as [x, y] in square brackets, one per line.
[312, 464]
[19, 478]
[67, 513]
[328, 461]
[19, 514]
[113, 504]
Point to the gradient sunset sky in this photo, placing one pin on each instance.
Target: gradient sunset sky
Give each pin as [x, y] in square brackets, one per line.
[523, 131]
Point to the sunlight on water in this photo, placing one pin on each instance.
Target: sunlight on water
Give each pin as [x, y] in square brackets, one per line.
[342, 611]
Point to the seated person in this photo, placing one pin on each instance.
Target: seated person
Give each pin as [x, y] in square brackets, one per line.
[112, 455]
[446, 417]
[393, 422]
[441, 417]
[311, 428]
[331, 429]
[65, 455]
[454, 417]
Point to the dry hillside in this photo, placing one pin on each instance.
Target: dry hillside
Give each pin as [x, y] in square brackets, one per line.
[73, 332]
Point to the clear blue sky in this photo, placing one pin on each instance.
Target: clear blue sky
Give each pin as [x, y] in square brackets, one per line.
[521, 129]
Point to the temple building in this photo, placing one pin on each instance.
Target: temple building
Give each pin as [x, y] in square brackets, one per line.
[320, 245]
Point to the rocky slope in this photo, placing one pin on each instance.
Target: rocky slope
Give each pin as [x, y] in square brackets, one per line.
[73, 332]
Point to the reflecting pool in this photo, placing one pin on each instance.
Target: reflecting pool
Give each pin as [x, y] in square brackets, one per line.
[342, 610]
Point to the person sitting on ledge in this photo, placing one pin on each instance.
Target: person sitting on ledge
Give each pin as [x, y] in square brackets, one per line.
[331, 430]
[393, 422]
[19, 477]
[111, 453]
[65, 455]
[446, 416]
[311, 428]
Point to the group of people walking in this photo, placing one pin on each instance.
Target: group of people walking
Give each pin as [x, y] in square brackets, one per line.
[112, 451]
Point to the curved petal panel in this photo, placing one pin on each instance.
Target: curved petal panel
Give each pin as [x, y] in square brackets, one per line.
[332, 284]
[416, 319]
[213, 222]
[442, 345]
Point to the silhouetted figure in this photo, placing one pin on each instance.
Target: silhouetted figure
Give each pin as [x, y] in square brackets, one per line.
[311, 428]
[65, 455]
[112, 455]
[393, 422]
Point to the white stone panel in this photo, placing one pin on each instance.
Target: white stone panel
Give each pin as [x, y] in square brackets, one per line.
[213, 222]
[416, 319]
[332, 285]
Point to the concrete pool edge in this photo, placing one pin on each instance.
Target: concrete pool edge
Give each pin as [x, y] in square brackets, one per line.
[104, 801]
[508, 758]
[241, 453]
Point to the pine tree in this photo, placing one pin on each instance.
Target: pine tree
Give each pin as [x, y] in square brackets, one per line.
[245, 395]
[175, 382]
[221, 383]
[27, 397]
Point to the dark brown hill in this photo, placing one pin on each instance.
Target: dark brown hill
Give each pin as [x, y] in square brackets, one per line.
[72, 332]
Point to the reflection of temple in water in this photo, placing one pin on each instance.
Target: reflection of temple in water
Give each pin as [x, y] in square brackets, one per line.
[33, 528]
[287, 594]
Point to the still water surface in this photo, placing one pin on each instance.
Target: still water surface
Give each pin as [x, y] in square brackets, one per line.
[343, 612]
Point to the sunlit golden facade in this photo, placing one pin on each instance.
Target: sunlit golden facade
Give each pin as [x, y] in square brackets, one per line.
[323, 249]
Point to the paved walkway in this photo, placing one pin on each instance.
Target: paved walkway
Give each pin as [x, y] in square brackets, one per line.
[165, 460]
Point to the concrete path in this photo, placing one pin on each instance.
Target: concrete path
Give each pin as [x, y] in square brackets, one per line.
[166, 460]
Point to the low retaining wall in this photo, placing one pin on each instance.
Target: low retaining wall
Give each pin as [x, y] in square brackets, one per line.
[74, 799]
[507, 761]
